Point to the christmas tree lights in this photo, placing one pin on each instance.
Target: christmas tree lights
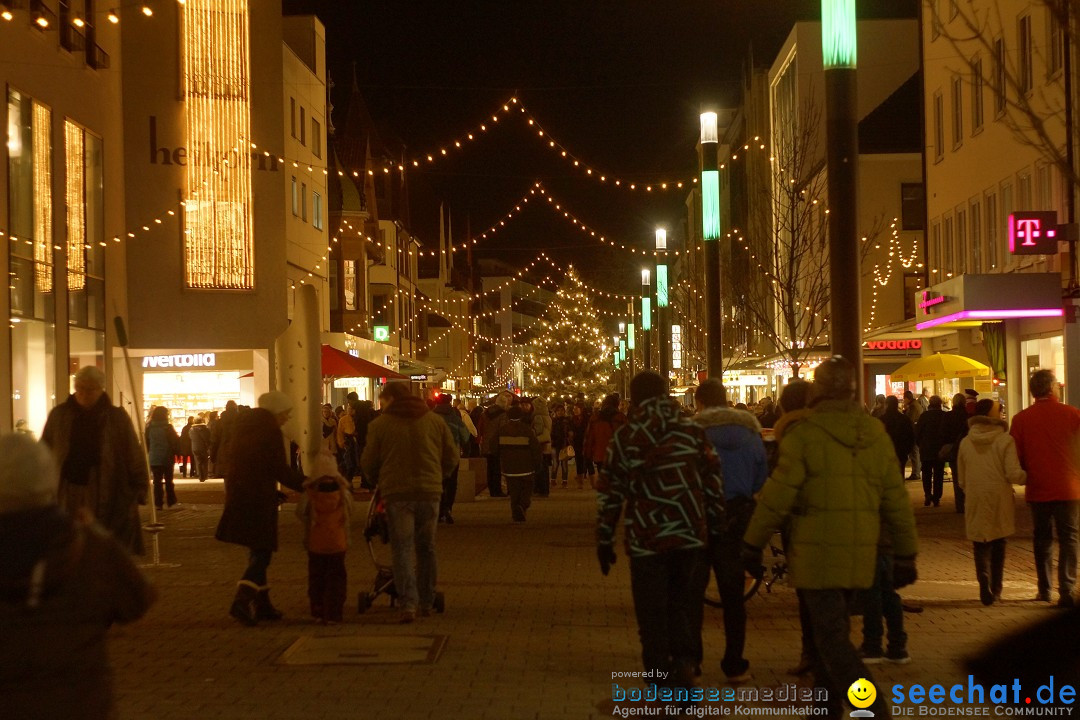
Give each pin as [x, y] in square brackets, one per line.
[570, 351]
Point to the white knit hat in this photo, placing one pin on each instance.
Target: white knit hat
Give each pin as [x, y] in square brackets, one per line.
[276, 402]
[28, 476]
[324, 466]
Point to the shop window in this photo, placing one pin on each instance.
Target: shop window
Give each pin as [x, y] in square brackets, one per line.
[31, 286]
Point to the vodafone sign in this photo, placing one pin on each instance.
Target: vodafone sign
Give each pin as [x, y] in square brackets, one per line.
[894, 344]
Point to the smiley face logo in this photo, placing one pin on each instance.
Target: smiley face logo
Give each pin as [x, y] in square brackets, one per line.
[862, 693]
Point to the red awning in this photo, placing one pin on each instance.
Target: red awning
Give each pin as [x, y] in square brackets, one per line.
[336, 363]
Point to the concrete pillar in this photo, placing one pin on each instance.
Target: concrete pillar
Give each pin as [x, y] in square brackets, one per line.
[1016, 383]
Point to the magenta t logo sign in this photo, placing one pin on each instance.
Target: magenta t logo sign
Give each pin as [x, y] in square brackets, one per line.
[1033, 233]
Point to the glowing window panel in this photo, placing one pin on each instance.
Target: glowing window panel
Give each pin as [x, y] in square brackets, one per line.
[710, 204]
[43, 207]
[838, 33]
[661, 286]
[75, 196]
[219, 247]
[646, 314]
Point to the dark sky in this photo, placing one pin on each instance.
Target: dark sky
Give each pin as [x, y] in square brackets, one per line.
[619, 82]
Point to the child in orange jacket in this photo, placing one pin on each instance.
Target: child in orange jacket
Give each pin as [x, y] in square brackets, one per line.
[325, 508]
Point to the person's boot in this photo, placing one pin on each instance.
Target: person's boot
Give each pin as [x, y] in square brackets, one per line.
[243, 605]
[264, 610]
[997, 571]
[982, 573]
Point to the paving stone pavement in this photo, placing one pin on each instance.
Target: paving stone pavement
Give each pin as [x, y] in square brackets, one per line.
[534, 630]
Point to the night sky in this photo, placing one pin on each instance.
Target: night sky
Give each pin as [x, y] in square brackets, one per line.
[619, 83]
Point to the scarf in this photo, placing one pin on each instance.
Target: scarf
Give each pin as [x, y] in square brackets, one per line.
[84, 445]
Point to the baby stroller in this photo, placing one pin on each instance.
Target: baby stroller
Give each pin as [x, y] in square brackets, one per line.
[377, 535]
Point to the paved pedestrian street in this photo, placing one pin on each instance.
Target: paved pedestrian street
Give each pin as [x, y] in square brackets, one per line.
[531, 628]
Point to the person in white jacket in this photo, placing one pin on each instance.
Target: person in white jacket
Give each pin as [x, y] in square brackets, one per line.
[988, 468]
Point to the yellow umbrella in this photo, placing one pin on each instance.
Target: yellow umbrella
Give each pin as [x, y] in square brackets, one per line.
[939, 367]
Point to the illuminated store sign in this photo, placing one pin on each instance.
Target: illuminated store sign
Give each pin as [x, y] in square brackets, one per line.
[894, 344]
[1033, 233]
[180, 361]
[381, 333]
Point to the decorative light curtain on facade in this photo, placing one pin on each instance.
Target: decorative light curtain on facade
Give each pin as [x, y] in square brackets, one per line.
[75, 197]
[219, 244]
[994, 341]
[43, 207]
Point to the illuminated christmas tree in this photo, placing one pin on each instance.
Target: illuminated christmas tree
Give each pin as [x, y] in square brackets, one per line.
[571, 353]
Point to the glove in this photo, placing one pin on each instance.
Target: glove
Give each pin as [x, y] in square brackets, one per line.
[606, 555]
[752, 561]
[903, 571]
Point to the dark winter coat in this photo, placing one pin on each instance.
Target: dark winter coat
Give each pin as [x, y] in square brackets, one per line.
[519, 450]
[53, 650]
[490, 422]
[185, 440]
[409, 451]
[257, 463]
[200, 440]
[221, 438]
[602, 428]
[560, 432]
[117, 480]
[453, 419]
[664, 470]
[736, 436]
[162, 443]
[900, 431]
[956, 429]
[930, 434]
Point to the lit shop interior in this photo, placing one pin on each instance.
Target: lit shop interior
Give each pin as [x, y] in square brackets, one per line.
[193, 383]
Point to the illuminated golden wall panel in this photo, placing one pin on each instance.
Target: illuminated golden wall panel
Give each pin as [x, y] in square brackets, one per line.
[218, 241]
[43, 224]
[75, 196]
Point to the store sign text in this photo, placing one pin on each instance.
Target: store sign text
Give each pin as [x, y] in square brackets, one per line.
[180, 361]
[894, 344]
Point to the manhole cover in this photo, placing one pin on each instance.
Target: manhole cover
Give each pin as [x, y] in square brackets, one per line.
[364, 650]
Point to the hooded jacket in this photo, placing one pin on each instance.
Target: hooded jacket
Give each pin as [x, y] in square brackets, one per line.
[541, 424]
[452, 418]
[519, 450]
[664, 470]
[988, 468]
[736, 436]
[162, 443]
[492, 419]
[54, 641]
[409, 451]
[325, 508]
[838, 481]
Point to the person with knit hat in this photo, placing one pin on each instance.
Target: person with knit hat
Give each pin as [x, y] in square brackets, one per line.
[325, 508]
[64, 580]
[257, 464]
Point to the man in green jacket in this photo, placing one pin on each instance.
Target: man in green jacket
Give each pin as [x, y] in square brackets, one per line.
[409, 451]
[836, 482]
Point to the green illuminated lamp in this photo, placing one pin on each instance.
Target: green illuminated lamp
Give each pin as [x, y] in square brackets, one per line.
[630, 336]
[661, 286]
[646, 314]
[710, 204]
[622, 349]
[838, 33]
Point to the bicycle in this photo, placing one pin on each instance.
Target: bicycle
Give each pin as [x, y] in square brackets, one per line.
[775, 571]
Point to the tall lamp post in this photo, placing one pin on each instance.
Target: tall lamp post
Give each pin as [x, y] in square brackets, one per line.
[842, 136]
[710, 226]
[646, 319]
[630, 341]
[663, 325]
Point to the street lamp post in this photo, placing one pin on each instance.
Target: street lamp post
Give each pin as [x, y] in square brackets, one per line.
[842, 135]
[646, 319]
[631, 341]
[663, 324]
[710, 225]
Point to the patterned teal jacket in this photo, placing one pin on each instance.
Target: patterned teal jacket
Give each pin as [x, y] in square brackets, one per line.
[663, 468]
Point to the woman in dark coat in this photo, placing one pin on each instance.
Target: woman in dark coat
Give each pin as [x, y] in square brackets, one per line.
[956, 429]
[930, 437]
[257, 464]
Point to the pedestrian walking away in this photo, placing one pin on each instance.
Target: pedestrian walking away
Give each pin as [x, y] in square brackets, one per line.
[257, 463]
[162, 445]
[836, 483]
[663, 469]
[1046, 435]
[988, 468]
[409, 451]
[519, 456]
[930, 437]
[325, 509]
[462, 437]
